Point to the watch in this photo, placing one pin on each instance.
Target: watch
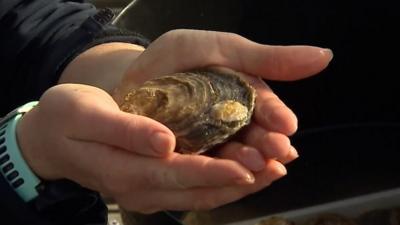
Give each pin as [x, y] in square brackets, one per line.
[12, 164]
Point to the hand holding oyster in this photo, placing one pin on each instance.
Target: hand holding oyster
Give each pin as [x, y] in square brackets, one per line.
[202, 107]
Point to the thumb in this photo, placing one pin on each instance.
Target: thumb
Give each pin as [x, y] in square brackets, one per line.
[182, 50]
[134, 133]
[90, 114]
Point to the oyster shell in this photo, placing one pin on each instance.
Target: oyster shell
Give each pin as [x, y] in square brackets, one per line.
[203, 108]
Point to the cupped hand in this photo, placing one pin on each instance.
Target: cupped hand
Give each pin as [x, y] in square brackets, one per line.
[77, 132]
[266, 138]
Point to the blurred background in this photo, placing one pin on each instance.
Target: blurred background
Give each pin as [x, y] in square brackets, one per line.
[349, 114]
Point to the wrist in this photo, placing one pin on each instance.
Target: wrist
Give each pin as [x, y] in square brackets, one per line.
[33, 142]
[12, 162]
[101, 66]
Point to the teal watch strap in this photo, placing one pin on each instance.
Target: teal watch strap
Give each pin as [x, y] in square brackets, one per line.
[12, 164]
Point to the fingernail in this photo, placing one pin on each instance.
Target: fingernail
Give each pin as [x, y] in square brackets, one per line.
[252, 159]
[248, 178]
[161, 143]
[328, 52]
[282, 169]
[293, 153]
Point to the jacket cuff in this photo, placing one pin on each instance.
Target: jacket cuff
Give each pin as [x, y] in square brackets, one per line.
[96, 30]
[64, 202]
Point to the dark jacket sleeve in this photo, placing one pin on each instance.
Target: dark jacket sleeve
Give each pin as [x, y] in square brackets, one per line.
[37, 40]
[60, 203]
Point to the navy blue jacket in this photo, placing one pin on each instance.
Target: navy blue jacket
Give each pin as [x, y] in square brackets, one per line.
[37, 40]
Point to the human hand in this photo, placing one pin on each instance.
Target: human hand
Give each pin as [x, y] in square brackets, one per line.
[101, 66]
[195, 182]
[79, 133]
[265, 140]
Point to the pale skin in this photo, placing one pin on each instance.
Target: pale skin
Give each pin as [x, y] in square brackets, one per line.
[78, 132]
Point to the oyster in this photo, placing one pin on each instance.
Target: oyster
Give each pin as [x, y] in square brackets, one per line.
[203, 108]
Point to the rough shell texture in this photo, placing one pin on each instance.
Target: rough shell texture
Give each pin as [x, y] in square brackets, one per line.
[203, 108]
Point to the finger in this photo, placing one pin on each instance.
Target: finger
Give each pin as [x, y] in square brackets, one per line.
[182, 50]
[99, 120]
[126, 171]
[117, 174]
[212, 197]
[189, 171]
[271, 144]
[248, 156]
[292, 155]
[134, 133]
[270, 112]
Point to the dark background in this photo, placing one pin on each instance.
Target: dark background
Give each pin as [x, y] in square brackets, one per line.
[349, 114]
[358, 86]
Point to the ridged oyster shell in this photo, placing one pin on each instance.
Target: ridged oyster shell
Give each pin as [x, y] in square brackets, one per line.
[203, 108]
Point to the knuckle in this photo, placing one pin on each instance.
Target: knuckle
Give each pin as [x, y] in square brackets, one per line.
[279, 67]
[181, 40]
[177, 43]
[232, 37]
[128, 129]
[163, 178]
[225, 39]
[156, 178]
[174, 33]
[173, 36]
